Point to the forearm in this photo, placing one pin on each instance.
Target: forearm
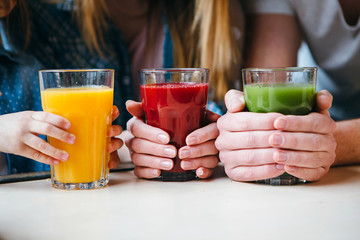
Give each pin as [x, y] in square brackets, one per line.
[347, 136]
[272, 41]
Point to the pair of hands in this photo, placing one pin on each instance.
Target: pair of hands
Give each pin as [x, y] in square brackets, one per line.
[254, 146]
[151, 152]
[19, 135]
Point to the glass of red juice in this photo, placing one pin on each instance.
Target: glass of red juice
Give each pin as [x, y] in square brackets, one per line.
[174, 99]
[290, 91]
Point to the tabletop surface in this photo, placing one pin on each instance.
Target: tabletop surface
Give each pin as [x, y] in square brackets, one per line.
[217, 208]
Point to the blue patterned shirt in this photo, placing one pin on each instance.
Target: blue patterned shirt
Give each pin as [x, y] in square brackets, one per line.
[56, 43]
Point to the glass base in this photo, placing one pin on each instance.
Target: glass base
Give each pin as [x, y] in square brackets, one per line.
[80, 186]
[177, 176]
[284, 179]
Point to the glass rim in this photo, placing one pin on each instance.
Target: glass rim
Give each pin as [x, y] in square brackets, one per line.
[75, 70]
[277, 69]
[174, 70]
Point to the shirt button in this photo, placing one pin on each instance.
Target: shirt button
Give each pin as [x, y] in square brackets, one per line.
[14, 170]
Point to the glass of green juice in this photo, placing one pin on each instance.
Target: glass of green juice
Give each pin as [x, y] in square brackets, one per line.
[290, 91]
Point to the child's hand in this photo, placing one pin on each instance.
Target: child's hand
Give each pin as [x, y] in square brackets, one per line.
[151, 152]
[115, 143]
[19, 135]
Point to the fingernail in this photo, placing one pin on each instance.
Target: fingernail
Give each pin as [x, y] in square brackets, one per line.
[235, 103]
[184, 154]
[281, 123]
[156, 172]
[186, 165]
[71, 139]
[191, 141]
[67, 125]
[162, 138]
[56, 162]
[290, 169]
[201, 172]
[64, 156]
[280, 166]
[166, 165]
[277, 140]
[281, 157]
[170, 152]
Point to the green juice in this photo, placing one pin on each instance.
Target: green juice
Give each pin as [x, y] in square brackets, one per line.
[285, 98]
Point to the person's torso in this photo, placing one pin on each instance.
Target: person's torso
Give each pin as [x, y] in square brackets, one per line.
[335, 47]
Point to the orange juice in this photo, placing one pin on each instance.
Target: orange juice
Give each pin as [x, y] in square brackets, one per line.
[89, 111]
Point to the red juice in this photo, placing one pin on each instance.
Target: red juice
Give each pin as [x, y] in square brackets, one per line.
[177, 108]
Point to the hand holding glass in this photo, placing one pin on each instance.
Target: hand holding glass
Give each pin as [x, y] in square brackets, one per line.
[85, 98]
[290, 91]
[175, 101]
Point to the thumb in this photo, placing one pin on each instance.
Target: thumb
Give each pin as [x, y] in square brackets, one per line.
[323, 101]
[135, 108]
[234, 101]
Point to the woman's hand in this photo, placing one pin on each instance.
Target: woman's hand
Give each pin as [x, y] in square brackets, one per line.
[256, 146]
[19, 135]
[151, 152]
[115, 143]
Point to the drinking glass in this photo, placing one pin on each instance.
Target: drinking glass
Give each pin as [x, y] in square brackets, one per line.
[174, 100]
[85, 98]
[283, 90]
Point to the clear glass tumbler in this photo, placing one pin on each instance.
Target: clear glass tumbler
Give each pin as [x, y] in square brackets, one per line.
[290, 91]
[85, 98]
[174, 100]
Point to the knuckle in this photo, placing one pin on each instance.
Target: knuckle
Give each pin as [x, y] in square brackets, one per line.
[128, 142]
[231, 175]
[137, 172]
[249, 157]
[333, 143]
[221, 122]
[135, 145]
[47, 160]
[43, 146]
[223, 156]
[135, 158]
[242, 123]
[331, 157]
[316, 126]
[250, 140]
[317, 142]
[129, 124]
[291, 140]
[214, 160]
[197, 152]
[219, 143]
[36, 155]
[332, 126]
[48, 128]
[248, 176]
[65, 135]
[44, 116]
[135, 128]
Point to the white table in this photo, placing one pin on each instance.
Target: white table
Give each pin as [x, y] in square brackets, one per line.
[218, 208]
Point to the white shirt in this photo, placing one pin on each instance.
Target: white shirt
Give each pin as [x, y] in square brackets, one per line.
[334, 45]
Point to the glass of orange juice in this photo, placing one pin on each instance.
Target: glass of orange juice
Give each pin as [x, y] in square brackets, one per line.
[85, 98]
